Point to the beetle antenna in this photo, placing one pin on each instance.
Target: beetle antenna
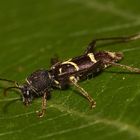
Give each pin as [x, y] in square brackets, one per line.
[12, 87]
[10, 81]
[9, 88]
[7, 80]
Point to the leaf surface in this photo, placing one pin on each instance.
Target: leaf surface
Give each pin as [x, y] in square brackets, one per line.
[32, 32]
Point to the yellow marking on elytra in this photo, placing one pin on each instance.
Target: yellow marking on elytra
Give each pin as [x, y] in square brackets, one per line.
[60, 70]
[112, 54]
[92, 58]
[56, 82]
[71, 63]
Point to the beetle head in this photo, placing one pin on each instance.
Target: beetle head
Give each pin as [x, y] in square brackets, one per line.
[27, 94]
[36, 84]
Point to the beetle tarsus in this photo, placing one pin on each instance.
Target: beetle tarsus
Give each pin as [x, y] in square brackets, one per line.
[93, 104]
[41, 113]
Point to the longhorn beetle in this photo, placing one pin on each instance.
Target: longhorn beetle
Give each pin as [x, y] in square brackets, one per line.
[64, 73]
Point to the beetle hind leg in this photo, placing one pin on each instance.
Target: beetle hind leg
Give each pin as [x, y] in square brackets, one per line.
[73, 80]
[112, 40]
[129, 68]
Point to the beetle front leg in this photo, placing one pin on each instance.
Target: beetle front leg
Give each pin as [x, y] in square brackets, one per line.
[44, 103]
[73, 80]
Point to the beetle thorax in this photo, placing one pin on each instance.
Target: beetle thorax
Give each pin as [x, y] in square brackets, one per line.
[40, 81]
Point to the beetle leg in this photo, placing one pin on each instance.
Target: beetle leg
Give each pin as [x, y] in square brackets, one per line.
[132, 69]
[73, 80]
[114, 40]
[44, 102]
[91, 47]
[54, 60]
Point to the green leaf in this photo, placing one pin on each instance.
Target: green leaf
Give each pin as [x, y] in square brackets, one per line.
[32, 31]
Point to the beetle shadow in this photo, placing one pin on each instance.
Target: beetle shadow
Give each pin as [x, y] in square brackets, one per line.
[5, 108]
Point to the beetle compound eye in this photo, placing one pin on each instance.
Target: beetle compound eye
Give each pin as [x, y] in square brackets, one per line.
[27, 97]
